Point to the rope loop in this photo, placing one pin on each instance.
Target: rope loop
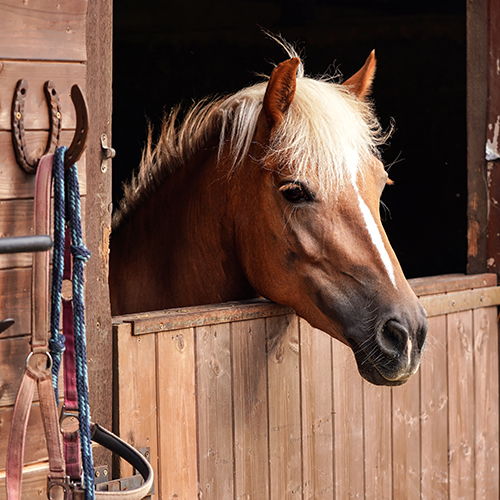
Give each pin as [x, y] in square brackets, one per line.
[80, 253]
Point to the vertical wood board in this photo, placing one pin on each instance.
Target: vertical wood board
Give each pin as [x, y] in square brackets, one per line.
[215, 418]
[250, 409]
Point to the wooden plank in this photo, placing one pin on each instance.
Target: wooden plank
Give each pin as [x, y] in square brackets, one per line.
[16, 219]
[15, 300]
[135, 396]
[34, 482]
[215, 418]
[14, 183]
[36, 446]
[452, 302]
[406, 439]
[250, 409]
[434, 412]
[487, 403]
[36, 116]
[99, 34]
[283, 367]
[432, 285]
[176, 393]
[461, 405]
[317, 412]
[477, 97]
[212, 314]
[13, 354]
[43, 30]
[378, 442]
[348, 424]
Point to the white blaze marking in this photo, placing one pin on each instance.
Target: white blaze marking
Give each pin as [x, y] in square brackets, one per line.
[375, 236]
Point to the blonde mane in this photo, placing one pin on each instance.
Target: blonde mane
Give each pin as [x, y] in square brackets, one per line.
[326, 134]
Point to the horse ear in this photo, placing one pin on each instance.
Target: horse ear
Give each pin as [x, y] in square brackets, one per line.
[280, 91]
[361, 82]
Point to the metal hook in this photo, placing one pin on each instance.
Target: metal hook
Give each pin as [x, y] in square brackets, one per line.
[24, 159]
[74, 152]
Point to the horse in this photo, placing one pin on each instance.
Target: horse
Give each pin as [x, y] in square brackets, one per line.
[273, 191]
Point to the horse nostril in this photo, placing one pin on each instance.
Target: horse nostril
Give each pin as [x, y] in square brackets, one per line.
[393, 338]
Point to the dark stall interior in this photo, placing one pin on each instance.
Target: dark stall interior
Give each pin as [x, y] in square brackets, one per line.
[171, 52]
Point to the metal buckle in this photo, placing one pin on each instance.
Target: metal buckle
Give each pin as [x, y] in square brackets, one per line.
[54, 487]
[69, 420]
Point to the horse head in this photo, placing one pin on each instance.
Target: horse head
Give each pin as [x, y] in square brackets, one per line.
[310, 235]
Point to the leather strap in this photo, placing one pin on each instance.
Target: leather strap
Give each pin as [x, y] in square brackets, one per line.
[132, 456]
[15, 449]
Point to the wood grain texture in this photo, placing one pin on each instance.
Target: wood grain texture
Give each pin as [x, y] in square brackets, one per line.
[283, 367]
[317, 412]
[135, 395]
[34, 482]
[176, 393]
[99, 39]
[348, 424]
[461, 405]
[378, 442]
[36, 446]
[434, 412]
[14, 183]
[15, 300]
[13, 354]
[43, 30]
[406, 452]
[215, 416]
[432, 285]
[250, 409]
[36, 113]
[486, 388]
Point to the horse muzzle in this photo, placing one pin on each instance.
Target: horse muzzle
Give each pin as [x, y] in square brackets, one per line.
[391, 354]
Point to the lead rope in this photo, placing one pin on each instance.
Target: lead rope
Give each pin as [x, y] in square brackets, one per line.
[67, 209]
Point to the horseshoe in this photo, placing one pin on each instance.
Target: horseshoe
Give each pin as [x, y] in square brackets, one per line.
[75, 150]
[24, 159]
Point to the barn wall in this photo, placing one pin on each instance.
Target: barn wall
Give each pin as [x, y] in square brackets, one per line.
[66, 42]
[249, 401]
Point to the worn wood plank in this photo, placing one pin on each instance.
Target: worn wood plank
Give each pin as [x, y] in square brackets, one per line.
[13, 354]
[34, 482]
[250, 409]
[43, 30]
[135, 394]
[99, 40]
[215, 418]
[36, 116]
[434, 412]
[317, 412]
[283, 366]
[378, 442]
[461, 405]
[487, 403]
[211, 314]
[432, 285]
[461, 301]
[36, 446]
[348, 424]
[15, 299]
[406, 439]
[176, 396]
[14, 183]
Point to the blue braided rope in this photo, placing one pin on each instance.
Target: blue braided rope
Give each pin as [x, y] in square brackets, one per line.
[80, 256]
[56, 342]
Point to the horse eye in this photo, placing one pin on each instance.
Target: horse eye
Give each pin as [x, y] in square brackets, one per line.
[295, 192]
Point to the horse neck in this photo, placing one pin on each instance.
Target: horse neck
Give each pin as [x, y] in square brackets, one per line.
[178, 248]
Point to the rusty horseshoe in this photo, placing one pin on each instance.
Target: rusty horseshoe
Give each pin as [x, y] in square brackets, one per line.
[23, 157]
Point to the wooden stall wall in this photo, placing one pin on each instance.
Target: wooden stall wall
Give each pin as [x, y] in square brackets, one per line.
[247, 401]
[39, 41]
